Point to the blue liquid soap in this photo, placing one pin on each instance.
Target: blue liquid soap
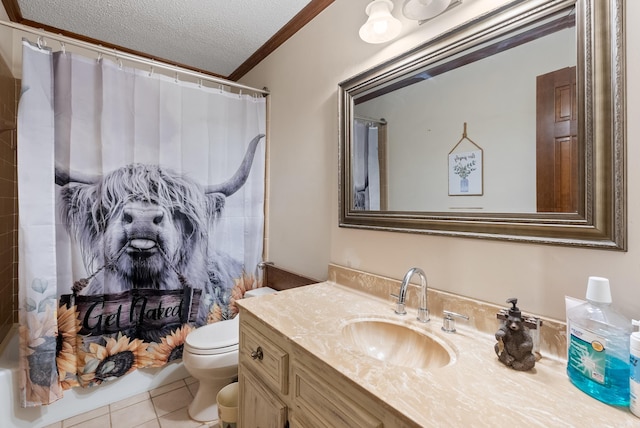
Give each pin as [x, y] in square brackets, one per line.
[598, 357]
[614, 392]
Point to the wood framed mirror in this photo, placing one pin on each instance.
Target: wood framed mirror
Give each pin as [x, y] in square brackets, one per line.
[537, 88]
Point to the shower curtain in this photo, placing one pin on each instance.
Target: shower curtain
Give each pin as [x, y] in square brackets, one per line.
[366, 166]
[140, 216]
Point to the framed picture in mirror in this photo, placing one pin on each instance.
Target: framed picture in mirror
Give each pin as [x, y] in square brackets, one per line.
[465, 173]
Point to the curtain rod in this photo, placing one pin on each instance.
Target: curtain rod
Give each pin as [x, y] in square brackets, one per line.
[129, 57]
[381, 121]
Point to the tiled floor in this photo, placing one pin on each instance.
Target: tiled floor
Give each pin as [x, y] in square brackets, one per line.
[164, 407]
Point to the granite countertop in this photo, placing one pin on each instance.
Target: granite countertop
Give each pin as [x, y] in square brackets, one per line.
[475, 390]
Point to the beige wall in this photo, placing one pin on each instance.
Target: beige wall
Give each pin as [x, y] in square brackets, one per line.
[303, 232]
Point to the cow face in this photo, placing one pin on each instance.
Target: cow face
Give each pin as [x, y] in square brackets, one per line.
[146, 240]
[144, 226]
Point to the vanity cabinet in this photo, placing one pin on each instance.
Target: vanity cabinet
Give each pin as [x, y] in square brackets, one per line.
[310, 375]
[282, 385]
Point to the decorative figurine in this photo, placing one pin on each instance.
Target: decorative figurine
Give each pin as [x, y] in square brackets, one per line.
[514, 342]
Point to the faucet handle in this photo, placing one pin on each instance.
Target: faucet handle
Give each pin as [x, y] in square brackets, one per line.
[448, 321]
[400, 310]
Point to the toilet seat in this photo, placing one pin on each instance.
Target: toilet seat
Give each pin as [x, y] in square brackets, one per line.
[212, 339]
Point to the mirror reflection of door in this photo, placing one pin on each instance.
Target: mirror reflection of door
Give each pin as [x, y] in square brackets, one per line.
[369, 165]
[557, 151]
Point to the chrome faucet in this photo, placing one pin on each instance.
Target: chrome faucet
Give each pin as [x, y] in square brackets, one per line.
[423, 310]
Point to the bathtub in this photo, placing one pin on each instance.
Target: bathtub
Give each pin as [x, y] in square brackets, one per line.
[77, 400]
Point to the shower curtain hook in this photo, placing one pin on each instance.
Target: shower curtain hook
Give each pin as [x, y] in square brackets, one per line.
[151, 71]
[99, 57]
[221, 88]
[63, 48]
[199, 83]
[41, 42]
[115, 54]
[240, 94]
[177, 77]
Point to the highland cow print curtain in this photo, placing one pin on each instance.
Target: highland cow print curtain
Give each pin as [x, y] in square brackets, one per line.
[140, 216]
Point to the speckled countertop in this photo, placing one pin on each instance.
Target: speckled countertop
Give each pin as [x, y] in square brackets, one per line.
[475, 390]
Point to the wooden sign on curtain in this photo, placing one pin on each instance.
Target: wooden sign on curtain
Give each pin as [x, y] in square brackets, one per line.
[465, 169]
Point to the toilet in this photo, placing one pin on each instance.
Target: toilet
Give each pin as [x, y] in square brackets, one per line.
[210, 355]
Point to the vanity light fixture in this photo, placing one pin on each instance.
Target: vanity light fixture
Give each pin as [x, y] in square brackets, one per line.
[381, 26]
[422, 10]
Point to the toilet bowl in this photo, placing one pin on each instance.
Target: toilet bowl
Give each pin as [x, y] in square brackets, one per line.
[210, 355]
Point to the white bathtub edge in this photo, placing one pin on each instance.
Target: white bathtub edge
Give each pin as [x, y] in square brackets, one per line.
[77, 400]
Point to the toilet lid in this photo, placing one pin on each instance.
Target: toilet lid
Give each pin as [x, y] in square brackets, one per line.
[216, 338]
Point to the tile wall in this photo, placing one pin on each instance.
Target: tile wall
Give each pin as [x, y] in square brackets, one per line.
[9, 89]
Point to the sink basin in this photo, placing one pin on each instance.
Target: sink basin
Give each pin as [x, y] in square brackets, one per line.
[397, 344]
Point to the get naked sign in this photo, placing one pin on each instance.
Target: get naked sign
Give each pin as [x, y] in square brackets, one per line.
[136, 312]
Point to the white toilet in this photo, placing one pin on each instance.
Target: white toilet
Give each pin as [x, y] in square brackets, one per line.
[210, 354]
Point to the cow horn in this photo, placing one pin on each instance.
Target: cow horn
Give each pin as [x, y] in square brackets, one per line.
[232, 185]
[63, 177]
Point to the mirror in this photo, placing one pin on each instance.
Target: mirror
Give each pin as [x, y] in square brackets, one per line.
[509, 126]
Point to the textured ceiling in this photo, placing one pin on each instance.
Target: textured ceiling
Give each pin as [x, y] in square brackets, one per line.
[216, 36]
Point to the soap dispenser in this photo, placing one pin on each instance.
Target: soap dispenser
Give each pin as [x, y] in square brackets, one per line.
[514, 342]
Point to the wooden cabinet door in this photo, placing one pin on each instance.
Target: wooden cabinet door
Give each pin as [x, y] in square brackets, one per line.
[558, 174]
[259, 406]
[317, 403]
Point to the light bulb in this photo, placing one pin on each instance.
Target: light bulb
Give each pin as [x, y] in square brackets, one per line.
[381, 26]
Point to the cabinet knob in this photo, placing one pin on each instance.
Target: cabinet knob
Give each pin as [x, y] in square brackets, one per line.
[257, 354]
